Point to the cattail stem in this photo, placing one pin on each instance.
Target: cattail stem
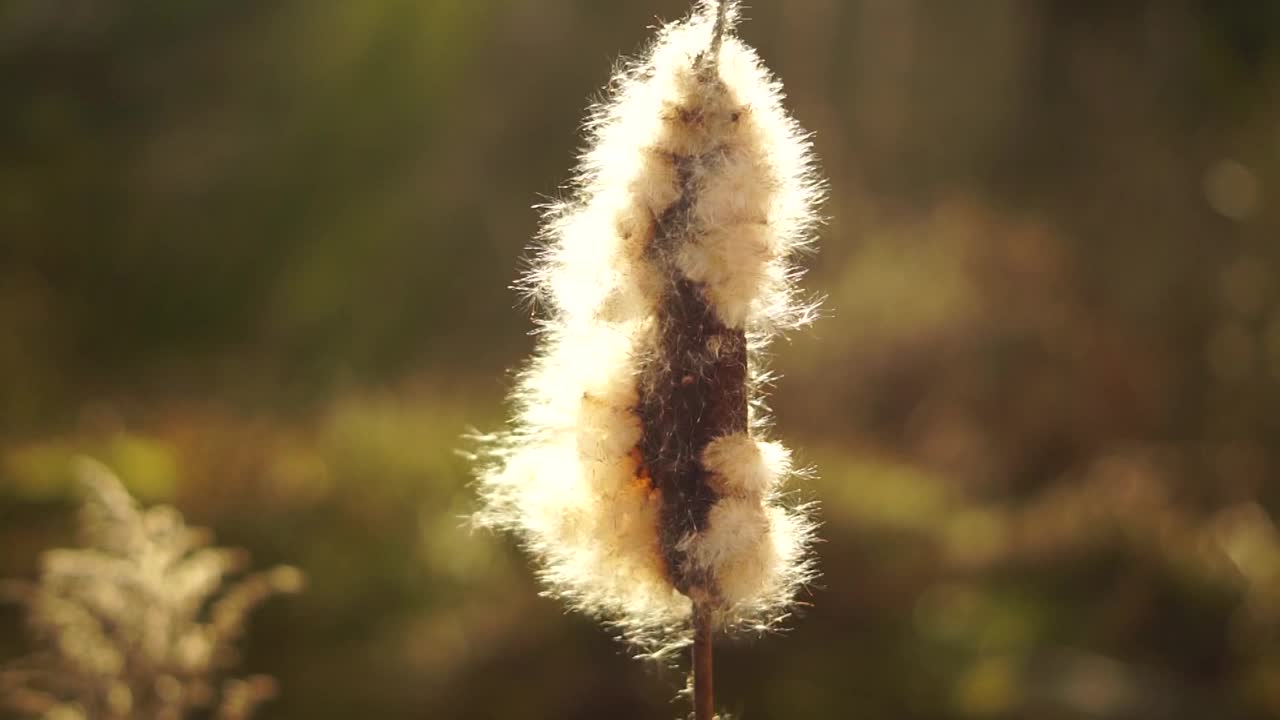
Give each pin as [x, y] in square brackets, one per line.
[717, 31]
[703, 694]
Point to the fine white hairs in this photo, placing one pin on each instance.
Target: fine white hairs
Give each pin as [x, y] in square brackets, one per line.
[637, 470]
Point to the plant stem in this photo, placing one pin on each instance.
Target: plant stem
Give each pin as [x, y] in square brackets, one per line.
[703, 696]
[717, 30]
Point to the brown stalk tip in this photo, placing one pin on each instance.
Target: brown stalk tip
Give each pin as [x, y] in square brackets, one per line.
[718, 31]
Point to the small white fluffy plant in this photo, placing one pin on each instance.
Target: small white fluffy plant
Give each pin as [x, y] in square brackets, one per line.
[636, 470]
[140, 622]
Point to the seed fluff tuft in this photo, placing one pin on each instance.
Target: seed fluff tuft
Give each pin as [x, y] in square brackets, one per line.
[636, 469]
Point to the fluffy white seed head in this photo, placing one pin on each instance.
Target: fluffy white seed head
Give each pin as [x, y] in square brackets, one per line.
[669, 264]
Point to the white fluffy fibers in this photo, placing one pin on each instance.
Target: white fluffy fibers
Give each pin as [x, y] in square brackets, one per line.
[634, 470]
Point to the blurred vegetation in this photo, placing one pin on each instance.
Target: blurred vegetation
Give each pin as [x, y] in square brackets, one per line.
[140, 620]
[255, 255]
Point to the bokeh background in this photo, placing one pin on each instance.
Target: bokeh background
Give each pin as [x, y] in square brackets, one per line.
[255, 256]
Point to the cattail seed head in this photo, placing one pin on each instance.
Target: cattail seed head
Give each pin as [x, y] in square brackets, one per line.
[635, 469]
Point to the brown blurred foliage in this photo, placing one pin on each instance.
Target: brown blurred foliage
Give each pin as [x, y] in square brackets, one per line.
[255, 257]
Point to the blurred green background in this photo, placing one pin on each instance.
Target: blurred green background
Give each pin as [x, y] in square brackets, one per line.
[256, 255]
